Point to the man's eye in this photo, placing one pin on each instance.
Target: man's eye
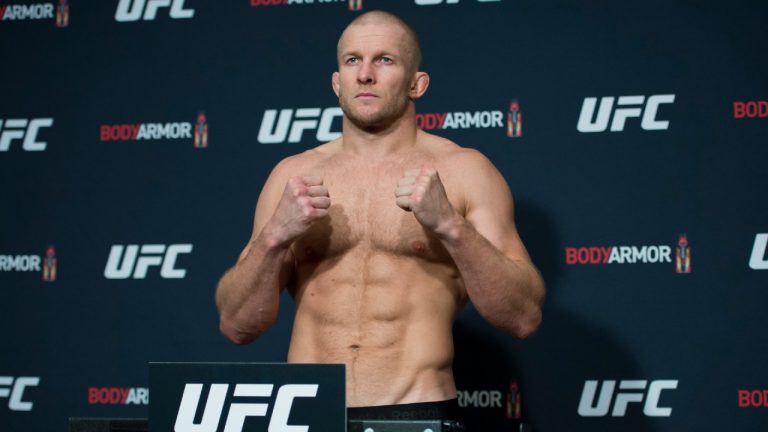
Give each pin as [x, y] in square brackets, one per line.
[386, 60]
[352, 60]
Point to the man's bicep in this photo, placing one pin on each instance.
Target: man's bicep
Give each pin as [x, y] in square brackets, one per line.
[490, 209]
[269, 197]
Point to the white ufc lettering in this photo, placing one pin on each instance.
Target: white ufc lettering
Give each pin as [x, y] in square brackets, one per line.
[137, 263]
[12, 129]
[758, 260]
[238, 412]
[15, 402]
[627, 107]
[629, 391]
[304, 119]
[131, 10]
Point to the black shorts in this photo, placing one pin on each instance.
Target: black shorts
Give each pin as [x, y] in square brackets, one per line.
[442, 410]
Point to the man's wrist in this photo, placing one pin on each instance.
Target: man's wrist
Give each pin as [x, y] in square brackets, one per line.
[270, 238]
[452, 229]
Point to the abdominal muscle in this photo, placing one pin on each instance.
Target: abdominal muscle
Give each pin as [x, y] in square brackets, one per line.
[387, 318]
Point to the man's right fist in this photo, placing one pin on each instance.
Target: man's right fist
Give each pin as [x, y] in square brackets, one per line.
[304, 201]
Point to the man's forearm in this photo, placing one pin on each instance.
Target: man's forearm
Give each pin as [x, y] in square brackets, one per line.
[507, 293]
[248, 295]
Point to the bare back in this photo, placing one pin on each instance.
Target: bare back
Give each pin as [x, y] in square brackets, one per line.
[372, 288]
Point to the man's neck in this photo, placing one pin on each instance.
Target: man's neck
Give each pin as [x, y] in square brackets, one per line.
[399, 136]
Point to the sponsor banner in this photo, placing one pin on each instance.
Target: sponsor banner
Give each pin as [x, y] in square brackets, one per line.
[37, 11]
[758, 260]
[494, 399]
[755, 398]
[118, 396]
[15, 390]
[24, 132]
[510, 121]
[625, 107]
[274, 397]
[157, 131]
[134, 261]
[46, 264]
[613, 400]
[750, 109]
[645, 254]
[149, 10]
[289, 125]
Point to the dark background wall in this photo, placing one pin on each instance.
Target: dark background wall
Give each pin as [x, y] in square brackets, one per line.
[67, 343]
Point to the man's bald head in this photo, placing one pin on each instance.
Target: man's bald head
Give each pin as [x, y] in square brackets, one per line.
[410, 43]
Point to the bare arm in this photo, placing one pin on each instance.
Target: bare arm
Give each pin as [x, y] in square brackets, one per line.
[499, 277]
[248, 295]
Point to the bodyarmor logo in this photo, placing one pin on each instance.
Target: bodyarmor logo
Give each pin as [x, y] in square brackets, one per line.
[118, 396]
[629, 391]
[62, 14]
[37, 11]
[303, 119]
[238, 412]
[131, 10]
[758, 260]
[627, 106]
[201, 131]
[15, 394]
[683, 255]
[480, 398]
[23, 130]
[135, 264]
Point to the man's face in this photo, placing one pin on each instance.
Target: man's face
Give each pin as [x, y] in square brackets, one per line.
[375, 75]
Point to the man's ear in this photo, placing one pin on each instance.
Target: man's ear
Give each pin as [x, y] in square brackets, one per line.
[419, 85]
[335, 83]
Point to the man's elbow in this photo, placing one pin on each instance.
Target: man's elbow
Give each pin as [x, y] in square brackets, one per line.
[527, 324]
[239, 336]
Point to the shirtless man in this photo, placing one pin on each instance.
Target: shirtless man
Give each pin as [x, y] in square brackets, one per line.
[381, 236]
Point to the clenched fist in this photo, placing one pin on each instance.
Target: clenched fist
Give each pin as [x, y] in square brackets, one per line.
[421, 192]
[304, 201]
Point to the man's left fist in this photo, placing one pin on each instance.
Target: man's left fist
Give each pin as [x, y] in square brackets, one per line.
[421, 192]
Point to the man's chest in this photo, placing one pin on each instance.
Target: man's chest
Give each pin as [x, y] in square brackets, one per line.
[364, 215]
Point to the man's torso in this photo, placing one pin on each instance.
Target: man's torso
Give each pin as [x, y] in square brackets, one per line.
[373, 289]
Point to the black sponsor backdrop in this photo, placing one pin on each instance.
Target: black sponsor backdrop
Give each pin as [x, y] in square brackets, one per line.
[704, 176]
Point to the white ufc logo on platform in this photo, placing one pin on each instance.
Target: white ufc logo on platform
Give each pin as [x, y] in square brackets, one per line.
[239, 411]
[16, 129]
[304, 119]
[137, 263]
[15, 401]
[626, 107]
[437, 2]
[629, 391]
[131, 10]
[758, 260]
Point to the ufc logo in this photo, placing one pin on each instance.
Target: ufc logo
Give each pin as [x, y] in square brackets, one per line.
[303, 119]
[239, 411]
[437, 2]
[16, 129]
[137, 261]
[626, 107]
[758, 260]
[16, 393]
[629, 391]
[131, 10]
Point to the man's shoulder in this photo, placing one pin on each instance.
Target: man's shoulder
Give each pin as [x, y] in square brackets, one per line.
[453, 156]
[299, 163]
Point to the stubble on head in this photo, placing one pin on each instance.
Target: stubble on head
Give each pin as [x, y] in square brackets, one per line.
[409, 51]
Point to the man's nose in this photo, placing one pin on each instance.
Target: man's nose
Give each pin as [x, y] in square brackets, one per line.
[365, 74]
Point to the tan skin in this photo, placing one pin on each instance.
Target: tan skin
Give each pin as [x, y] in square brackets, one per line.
[382, 236]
